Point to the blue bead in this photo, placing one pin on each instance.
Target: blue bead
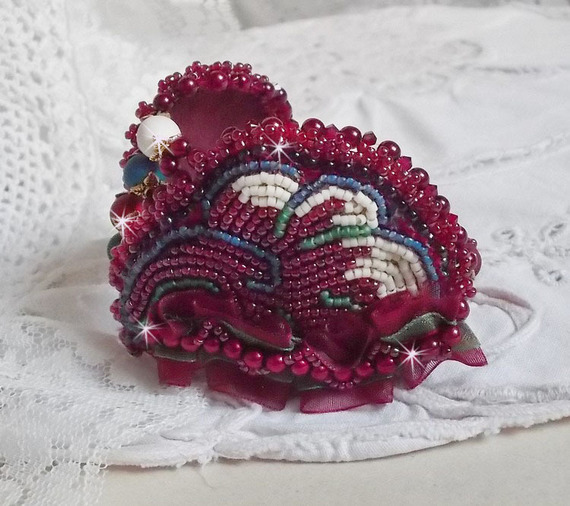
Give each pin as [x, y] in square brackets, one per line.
[136, 169]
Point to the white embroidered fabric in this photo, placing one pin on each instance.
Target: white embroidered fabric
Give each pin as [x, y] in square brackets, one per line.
[480, 96]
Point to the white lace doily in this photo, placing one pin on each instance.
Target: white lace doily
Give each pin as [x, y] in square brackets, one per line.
[465, 91]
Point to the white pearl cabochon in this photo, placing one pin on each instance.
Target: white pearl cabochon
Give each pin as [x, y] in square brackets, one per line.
[154, 133]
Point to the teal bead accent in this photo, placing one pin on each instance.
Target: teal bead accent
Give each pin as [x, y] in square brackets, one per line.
[159, 175]
[335, 233]
[137, 168]
[330, 300]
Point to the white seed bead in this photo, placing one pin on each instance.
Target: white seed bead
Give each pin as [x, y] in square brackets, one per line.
[311, 201]
[390, 285]
[350, 242]
[244, 196]
[303, 209]
[319, 199]
[282, 194]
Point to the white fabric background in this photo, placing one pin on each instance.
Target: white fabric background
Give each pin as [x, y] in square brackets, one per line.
[478, 96]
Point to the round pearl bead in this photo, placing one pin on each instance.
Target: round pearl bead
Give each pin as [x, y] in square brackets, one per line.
[385, 365]
[232, 349]
[253, 359]
[300, 368]
[365, 370]
[275, 363]
[155, 133]
[451, 336]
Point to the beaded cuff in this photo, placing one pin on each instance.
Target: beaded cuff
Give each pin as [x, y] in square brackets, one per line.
[283, 260]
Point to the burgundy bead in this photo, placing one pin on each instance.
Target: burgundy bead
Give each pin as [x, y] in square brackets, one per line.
[253, 359]
[385, 364]
[212, 345]
[218, 81]
[313, 124]
[351, 135]
[168, 165]
[451, 336]
[320, 373]
[179, 147]
[369, 138]
[187, 86]
[429, 347]
[343, 374]
[241, 82]
[144, 110]
[163, 101]
[125, 205]
[187, 343]
[232, 349]
[364, 370]
[463, 310]
[389, 148]
[275, 364]
[300, 368]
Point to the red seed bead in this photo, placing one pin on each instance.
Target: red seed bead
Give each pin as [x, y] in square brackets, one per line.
[253, 359]
[364, 370]
[168, 165]
[429, 347]
[187, 86]
[188, 344]
[275, 363]
[212, 345]
[144, 110]
[320, 373]
[389, 148]
[171, 340]
[163, 101]
[343, 374]
[385, 365]
[232, 349]
[351, 135]
[179, 147]
[300, 368]
[369, 138]
[218, 81]
[463, 310]
[451, 336]
[241, 82]
[313, 124]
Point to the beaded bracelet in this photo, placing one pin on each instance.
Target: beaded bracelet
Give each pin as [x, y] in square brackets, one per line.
[284, 261]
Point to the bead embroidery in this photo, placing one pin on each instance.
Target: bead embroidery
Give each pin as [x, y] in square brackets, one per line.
[286, 259]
